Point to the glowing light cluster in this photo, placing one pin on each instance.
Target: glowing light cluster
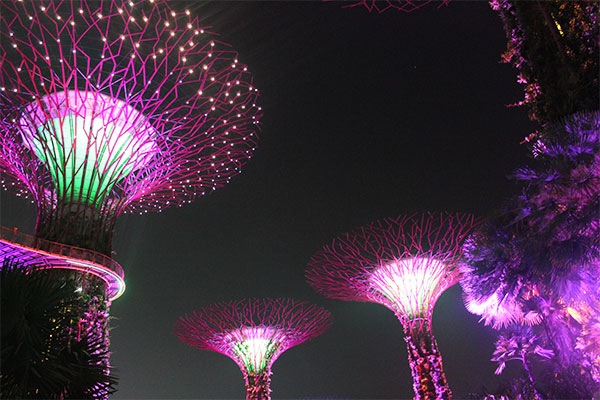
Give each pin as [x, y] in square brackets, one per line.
[255, 346]
[253, 333]
[160, 111]
[87, 141]
[409, 285]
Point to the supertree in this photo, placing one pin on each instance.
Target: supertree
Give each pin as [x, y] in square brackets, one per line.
[109, 107]
[405, 264]
[114, 106]
[253, 333]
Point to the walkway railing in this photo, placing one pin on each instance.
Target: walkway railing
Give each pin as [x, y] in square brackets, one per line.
[47, 246]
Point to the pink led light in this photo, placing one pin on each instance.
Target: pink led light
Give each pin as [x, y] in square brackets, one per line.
[29, 251]
[398, 5]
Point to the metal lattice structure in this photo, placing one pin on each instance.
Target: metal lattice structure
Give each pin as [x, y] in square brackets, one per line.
[405, 264]
[116, 106]
[253, 333]
[398, 5]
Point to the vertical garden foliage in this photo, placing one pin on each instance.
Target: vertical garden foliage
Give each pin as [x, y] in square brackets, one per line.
[44, 353]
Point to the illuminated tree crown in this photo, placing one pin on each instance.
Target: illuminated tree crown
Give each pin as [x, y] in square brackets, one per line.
[117, 106]
[253, 332]
[403, 263]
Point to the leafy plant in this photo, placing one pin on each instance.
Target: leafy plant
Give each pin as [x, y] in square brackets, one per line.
[43, 355]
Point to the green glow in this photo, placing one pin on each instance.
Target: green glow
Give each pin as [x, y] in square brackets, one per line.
[80, 168]
[85, 148]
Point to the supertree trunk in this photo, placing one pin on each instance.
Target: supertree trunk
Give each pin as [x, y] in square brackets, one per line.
[258, 386]
[429, 380]
[77, 224]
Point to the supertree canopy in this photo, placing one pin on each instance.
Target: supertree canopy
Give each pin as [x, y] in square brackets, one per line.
[116, 106]
[253, 333]
[399, 5]
[405, 264]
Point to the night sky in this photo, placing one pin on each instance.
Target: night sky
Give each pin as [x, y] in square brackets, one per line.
[365, 116]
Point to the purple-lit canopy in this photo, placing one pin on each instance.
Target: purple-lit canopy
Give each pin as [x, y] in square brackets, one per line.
[549, 242]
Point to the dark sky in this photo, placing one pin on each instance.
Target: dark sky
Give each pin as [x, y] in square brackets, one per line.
[365, 116]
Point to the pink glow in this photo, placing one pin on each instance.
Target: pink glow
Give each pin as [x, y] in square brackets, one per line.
[94, 108]
[398, 5]
[255, 347]
[113, 277]
[497, 310]
[88, 141]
